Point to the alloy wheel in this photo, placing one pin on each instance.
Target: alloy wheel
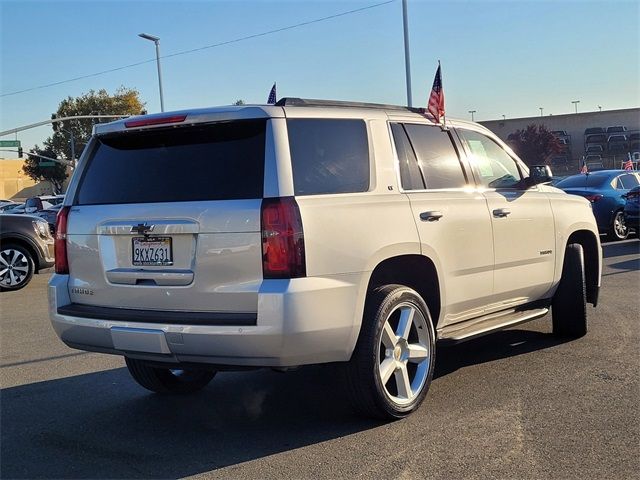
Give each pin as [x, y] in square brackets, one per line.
[404, 354]
[14, 267]
[619, 226]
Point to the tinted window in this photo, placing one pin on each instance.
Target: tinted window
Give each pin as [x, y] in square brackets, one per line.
[627, 182]
[212, 162]
[494, 165]
[410, 176]
[581, 181]
[328, 156]
[437, 157]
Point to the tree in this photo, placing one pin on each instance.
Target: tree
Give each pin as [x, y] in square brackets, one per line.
[535, 144]
[55, 174]
[123, 102]
[239, 102]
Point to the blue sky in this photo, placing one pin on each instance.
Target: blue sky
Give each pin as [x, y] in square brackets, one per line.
[498, 57]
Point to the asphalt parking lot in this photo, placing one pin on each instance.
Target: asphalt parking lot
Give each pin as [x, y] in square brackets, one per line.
[515, 404]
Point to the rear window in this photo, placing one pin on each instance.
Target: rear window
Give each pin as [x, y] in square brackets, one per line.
[581, 181]
[222, 161]
[328, 156]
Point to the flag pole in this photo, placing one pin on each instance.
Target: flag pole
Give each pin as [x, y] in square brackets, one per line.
[407, 61]
[444, 115]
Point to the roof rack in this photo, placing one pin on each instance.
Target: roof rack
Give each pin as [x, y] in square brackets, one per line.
[309, 102]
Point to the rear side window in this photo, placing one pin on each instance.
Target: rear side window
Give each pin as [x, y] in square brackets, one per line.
[627, 182]
[222, 161]
[437, 157]
[328, 156]
[410, 176]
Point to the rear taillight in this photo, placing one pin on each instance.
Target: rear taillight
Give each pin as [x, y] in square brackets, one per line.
[283, 253]
[60, 245]
[593, 198]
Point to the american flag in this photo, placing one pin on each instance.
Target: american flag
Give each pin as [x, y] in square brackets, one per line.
[272, 95]
[628, 165]
[435, 105]
[584, 168]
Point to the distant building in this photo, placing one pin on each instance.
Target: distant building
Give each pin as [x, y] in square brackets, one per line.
[17, 185]
[575, 124]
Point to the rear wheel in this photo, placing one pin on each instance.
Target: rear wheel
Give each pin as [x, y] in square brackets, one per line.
[392, 365]
[569, 306]
[168, 380]
[619, 229]
[16, 267]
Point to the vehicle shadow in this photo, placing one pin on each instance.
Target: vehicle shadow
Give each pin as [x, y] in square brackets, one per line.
[498, 345]
[617, 249]
[103, 425]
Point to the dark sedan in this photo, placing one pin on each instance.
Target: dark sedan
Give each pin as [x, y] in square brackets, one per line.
[632, 209]
[605, 189]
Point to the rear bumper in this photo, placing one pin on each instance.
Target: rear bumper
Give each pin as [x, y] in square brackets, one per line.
[299, 321]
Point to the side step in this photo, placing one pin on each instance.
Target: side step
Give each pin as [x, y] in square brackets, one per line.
[476, 327]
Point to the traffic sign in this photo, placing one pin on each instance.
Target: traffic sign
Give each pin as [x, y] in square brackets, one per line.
[9, 143]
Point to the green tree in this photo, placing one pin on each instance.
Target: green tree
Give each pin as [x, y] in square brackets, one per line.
[55, 174]
[124, 101]
[534, 144]
[239, 102]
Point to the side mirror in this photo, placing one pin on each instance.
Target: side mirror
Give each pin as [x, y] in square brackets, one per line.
[539, 174]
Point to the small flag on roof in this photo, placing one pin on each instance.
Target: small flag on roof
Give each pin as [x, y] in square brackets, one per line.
[435, 105]
[628, 165]
[584, 168]
[272, 95]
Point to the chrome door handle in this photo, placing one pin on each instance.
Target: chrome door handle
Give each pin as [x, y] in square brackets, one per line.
[433, 216]
[501, 212]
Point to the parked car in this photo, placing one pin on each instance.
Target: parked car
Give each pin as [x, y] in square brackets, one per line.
[311, 232]
[598, 139]
[594, 130]
[15, 209]
[632, 209]
[605, 190]
[52, 199]
[7, 205]
[616, 129]
[594, 149]
[50, 215]
[26, 247]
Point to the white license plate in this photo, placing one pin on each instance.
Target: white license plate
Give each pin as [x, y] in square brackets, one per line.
[150, 251]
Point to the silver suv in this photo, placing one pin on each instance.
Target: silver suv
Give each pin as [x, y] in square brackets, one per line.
[311, 232]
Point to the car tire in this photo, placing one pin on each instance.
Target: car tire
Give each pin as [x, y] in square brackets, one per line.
[569, 305]
[167, 380]
[16, 267]
[619, 230]
[391, 368]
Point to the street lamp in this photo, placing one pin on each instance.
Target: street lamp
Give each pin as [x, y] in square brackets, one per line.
[599, 108]
[541, 109]
[575, 104]
[472, 112]
[156, 40]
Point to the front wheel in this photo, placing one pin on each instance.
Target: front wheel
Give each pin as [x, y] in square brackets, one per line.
[619, 229]
[392, 365]
[16, 267]
[569, 305]
[168, 380]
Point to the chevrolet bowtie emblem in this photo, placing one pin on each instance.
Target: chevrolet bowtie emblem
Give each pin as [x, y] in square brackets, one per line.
[142, 229]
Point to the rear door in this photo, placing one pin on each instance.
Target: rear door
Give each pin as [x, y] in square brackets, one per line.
[522, 220]
[451, 215]
[169, 219]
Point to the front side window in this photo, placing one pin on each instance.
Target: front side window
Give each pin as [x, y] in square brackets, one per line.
[494, 165]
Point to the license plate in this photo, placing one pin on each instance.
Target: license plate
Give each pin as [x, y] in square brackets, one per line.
[151, 251]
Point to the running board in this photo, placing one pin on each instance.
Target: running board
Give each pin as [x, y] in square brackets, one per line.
[476, 327]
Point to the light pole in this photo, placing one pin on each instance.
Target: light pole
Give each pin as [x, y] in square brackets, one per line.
[599, 108]
[407, 62]
[541, 109]
[575, 104]
[156, 40]
[472, 112]
[504, 117]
